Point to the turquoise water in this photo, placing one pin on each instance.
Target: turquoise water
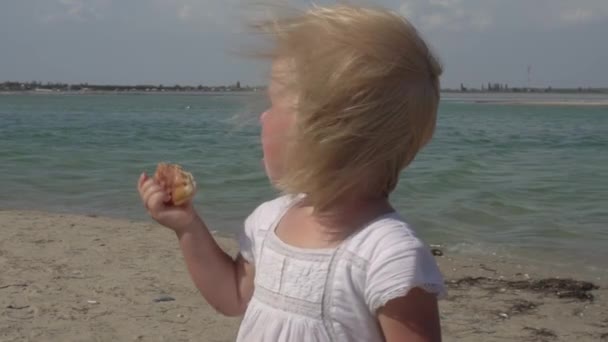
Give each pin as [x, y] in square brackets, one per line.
[508, 178]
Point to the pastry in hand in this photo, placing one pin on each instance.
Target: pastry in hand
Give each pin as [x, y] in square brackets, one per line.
[177, 182]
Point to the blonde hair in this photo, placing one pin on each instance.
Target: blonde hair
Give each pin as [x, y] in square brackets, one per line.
[367, 89]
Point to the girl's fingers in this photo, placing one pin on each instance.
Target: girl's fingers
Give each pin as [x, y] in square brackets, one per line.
[153, 195]
[156, 200]
[146, 186]
[149, 190]
[142, 179]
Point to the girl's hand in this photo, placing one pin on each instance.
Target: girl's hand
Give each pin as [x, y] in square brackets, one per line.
[157, 202]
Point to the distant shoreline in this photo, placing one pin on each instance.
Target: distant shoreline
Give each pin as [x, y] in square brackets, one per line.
[462, 97]
[112, 92]
[530, 99]
[546, 103]
[259, 89]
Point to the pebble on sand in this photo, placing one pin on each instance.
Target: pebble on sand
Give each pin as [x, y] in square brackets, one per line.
[163, 299]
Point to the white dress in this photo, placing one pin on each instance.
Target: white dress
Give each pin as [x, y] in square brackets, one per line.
[329, 294]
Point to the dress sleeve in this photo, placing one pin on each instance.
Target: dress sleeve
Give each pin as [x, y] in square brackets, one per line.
[401, 262]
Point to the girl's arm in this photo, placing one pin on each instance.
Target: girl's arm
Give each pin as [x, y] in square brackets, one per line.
[412, 318]
[226, 284]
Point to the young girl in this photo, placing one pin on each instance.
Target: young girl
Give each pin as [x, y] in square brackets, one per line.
[354, 96]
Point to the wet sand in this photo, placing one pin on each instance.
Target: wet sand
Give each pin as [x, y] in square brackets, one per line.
[81, 278]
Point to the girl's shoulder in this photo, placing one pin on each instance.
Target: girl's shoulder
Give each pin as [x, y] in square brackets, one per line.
[267, 214]
[394, 260]
[259, 222]
[389, 231]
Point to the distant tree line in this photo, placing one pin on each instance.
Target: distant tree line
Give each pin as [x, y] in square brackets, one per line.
[504, 88]
[52, 86]
[11, 86]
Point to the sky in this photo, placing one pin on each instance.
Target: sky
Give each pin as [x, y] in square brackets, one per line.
[564, 42]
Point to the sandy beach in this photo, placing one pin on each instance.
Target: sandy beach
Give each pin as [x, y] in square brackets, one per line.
[85, 278]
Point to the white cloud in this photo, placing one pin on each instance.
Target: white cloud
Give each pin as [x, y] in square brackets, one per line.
[461, 15]
[578, 15]
[184, 12]
[198, 12]
[564, 13]
[452, 15]
[76, 10]
[428, 15]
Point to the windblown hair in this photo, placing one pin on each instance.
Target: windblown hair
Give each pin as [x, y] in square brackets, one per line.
[367, 89]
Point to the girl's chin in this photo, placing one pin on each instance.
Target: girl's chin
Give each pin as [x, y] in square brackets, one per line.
[266, 169]
[272, 176]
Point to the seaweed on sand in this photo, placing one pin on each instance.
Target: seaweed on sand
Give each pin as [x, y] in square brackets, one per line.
[541, 334]
[562, 288]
